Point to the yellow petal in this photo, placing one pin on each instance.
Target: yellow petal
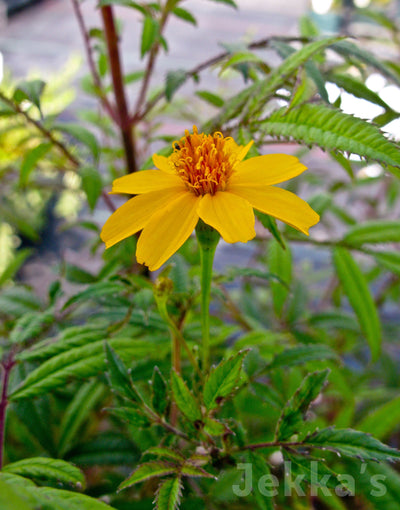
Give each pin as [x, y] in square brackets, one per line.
[163, 164]
[231, 215]
[145, 181]
[133, 215]
[266, 170]
[167, 230]
[280, 204]
[244, 150]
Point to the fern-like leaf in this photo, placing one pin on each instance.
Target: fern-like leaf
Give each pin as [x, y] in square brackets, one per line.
[169, 494]
[332, 130]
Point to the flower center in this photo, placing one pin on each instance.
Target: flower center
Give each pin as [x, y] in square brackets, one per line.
[204, 162]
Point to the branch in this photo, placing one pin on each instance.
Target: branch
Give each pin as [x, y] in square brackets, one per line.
[49, 135]
[89, 55]
[6, 366]
[124, 120]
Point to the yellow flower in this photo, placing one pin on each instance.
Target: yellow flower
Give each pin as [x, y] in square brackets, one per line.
[205, 177]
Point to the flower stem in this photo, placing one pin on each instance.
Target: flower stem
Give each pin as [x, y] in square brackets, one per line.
[208, 239]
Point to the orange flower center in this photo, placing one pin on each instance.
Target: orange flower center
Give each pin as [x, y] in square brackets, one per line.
[204, 162]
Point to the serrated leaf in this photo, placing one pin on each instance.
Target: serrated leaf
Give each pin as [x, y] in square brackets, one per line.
[30, 325]
[292, 417]
[383, 420]
[359, 296]
[76, 413]
[16, 301]
[92, 185]
[259, 93]
[45, 469]
[222, 380]
[80, 362]
[149, 34]
[332, 130]
[185, 15]
[381, 231]
[56, 499]
[174, 80]
[169, 494]
[81, 134]
[352, 443]
[119, 377]
[159, 395]
[131, 415]
[302, 354]
[146, 471]
[167, 453]
[30, 161]
[193, 471]
[314, 471]
[184, 398]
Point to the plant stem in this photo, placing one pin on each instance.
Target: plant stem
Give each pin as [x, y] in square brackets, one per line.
[6, 366]
[124, 121]
[208, 239]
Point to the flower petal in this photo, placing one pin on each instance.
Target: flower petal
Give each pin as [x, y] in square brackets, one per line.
[266, 170]
[167, 230]
[280, 204]
[134, 214]
[163, 164]
[230, 214]
[145, 181]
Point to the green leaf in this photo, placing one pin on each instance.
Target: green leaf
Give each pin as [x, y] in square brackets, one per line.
[227, 2]
[16, 480]
[378, 231]
[222, 380]
[67, 500]
[292, 417]
[184, 398]
[146, 471]
[357, 291]
[211, 98]
[80, 362]
[280, 264]
[168, 494]
[30, 161]
[332, 130]
[356, 88]
[185, 15]
[14, 265]
[92, 185]
[261, 469]
[159, 396]
[81, 134]
[149, 34]
[167, 453]
[76, 274]
[352, 443]
[30, 90]
[77, 413]
[16, 301]
[10, 498]
[382, 421]
[389, 259]
[174, 80]
[239, 58]
[251, 100]
[349, 49]
[120, 379]
[269, 222]
[133, 416]
[300, 355]
[47, 470]
[193, 471]
[314, 471]
[30, 325]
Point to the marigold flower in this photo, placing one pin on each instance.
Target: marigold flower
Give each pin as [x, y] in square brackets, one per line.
[205, 177]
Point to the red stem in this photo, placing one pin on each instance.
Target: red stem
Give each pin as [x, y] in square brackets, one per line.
[124, 121]
[6, 366]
